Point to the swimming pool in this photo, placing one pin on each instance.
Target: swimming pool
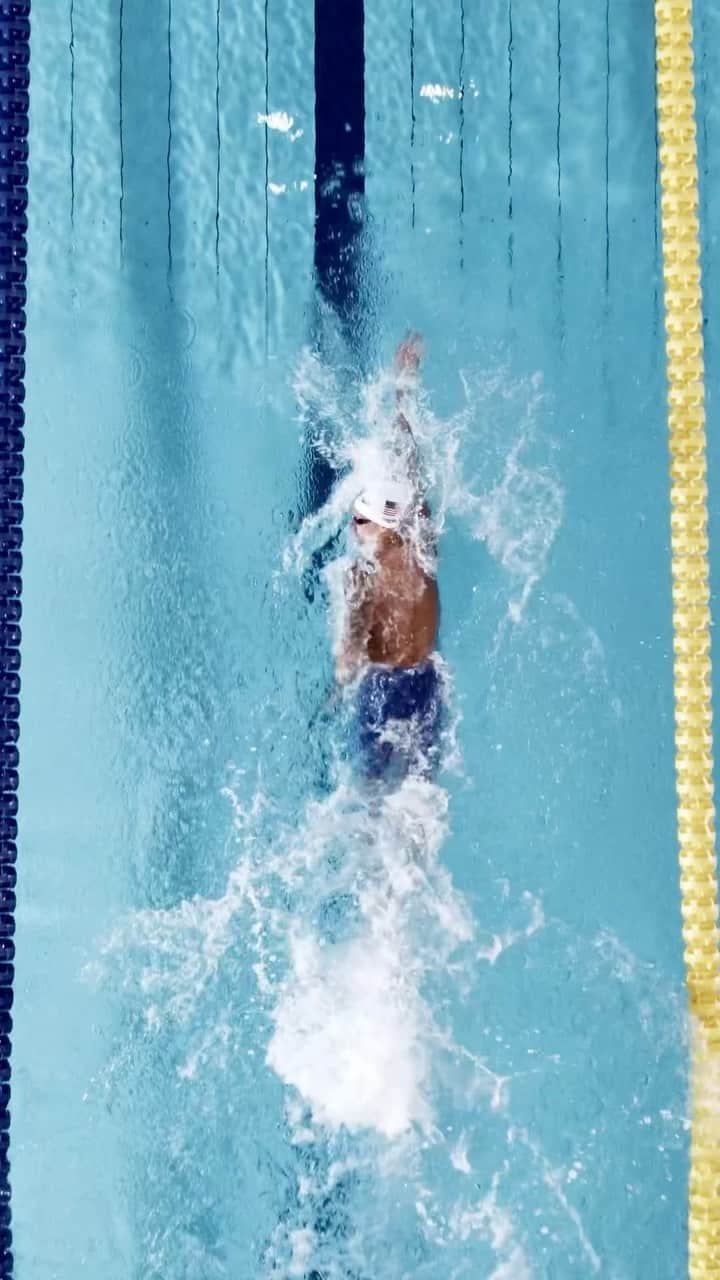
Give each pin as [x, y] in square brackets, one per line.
[219, 1068]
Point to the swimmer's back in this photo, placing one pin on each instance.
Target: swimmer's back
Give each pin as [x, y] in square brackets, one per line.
[405, 611]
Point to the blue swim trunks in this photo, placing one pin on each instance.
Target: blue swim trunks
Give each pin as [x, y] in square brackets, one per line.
[397, 720]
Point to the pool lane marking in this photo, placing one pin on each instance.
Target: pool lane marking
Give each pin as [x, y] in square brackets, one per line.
[461, 127]
[339, 156]
[217, 138]
[72, 113]
[412, 112]
[170, 136]
[121, 38]
[267, 179]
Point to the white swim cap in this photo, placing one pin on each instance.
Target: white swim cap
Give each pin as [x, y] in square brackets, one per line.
[385, 503]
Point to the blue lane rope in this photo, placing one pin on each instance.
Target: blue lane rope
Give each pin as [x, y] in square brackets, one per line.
[14, 87]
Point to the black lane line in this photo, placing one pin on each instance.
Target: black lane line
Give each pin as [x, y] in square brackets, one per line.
[511, 239]
[557, 143]
[461, 127]
[72, 113]
[558, 161]
[412, 112]
[656, 229]
[217, 135]
[607, 146]
[605, 363]
[267, 179]
[121, 38]
[169, 141]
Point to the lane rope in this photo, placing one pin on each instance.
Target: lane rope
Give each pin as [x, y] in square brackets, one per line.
[691, 616]
[14, 89]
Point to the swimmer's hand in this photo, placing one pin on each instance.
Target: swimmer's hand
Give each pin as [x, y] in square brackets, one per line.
[346, 669]
[407, 363]
[409, 355]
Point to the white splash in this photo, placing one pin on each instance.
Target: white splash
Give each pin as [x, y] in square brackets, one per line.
[341, 975]
[492, 1222]
[514, 504]
[302, 1243]
[350, 1035]
[279, 120]
[553, 1179]
[352, 1031]
[459, 1156]
[515, 1267]
[519, 519]
[502, 941]
[437, 92]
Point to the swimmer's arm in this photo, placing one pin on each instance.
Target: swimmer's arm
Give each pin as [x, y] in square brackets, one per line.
[413, 460]
[407, 363]
[401, 423]
[407, 445]
[351, 655]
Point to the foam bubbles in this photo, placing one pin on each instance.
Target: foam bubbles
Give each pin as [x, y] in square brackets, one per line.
[279, 120]
[437, 92]
[349, 1035]
[353, 1032]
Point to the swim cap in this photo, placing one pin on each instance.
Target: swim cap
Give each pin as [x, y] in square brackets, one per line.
[385, 503]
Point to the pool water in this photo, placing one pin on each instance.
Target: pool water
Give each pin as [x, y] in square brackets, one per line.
[268, 1024]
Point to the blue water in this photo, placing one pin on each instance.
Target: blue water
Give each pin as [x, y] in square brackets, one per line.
[264, 1028]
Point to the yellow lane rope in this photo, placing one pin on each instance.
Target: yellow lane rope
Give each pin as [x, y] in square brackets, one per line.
[691, 615]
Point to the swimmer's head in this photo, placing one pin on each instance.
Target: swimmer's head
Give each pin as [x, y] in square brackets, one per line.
[385, 505]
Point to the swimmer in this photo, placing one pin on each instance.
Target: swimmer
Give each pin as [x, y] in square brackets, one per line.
[392, 609]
